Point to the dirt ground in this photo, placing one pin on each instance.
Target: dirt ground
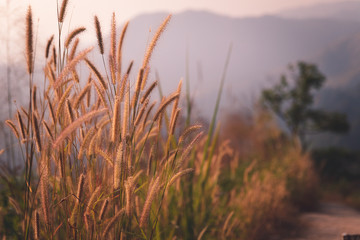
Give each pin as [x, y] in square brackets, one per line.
[329, 223]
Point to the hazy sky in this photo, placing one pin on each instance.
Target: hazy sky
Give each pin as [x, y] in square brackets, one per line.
[129, 8]
[82, 11]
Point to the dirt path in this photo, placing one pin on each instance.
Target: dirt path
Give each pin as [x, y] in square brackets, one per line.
[329, 223]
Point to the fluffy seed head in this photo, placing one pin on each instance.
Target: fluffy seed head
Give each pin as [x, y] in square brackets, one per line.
[91, 201]
[80, 187]
[73, 34]
[99, 35]
[73, 49]
[119, 50]
[113, 37]
[74, 125]
[44, 188]
[149, 199]
[13, 128]
[111, 223]
[36, 225]
[63, 10]
[117, 165]
[48, 131]
[54, 56]
[97, 73]
[34, 106]
[154, 41]
[179, 174]
[21, 124]
[29, 41]
[81, 95]
[48, 45]
[115, 121]
[165, 104]
[70, 66]
[36, 132]
[148, 91]
[126, 112]
[103, 209]
[174, 121]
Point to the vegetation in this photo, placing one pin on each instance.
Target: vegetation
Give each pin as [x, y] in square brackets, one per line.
[338, 172]
[102, 160]
[292, 102]
[257, 181]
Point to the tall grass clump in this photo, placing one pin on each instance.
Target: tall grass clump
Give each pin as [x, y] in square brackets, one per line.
[251, 184]
[103, 160]
[277, 178]
[96, 153]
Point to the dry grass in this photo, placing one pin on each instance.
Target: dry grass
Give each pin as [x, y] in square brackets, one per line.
[104, 161]
[277, 178]
[73, 151]
[251, 184]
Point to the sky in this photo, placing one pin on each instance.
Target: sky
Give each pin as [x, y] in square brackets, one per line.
[81, 12]
[130, 8]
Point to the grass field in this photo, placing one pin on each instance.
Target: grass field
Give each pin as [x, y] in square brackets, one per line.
[104, 160]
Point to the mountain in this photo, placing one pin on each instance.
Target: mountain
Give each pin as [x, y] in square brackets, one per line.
[262, 48]
[341, 61]
[346, 10]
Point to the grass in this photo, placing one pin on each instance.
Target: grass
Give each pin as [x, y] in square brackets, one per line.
[83, 183]
[102, 160]
[257, 181]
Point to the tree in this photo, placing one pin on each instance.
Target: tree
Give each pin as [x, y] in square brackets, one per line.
[292, 101]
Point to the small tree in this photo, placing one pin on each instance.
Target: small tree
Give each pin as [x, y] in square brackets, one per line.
[292, 101]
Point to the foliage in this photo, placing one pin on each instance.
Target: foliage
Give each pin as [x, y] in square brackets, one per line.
[292, 101]
[258, 180]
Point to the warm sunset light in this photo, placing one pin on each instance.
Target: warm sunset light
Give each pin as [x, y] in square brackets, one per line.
[180, 119]
[80, 10]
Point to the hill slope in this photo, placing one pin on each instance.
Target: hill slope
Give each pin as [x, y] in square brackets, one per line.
[346, 10]
[262, 47]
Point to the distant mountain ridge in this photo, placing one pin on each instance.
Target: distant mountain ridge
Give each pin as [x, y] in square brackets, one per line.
[346, 10]
[341, 63]
[262, 49]
[261, 45]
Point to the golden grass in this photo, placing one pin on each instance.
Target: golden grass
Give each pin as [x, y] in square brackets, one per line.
[63, 10]
[99, 35]
[102, 162]
[48, 45]
[29, 41]
[92, 147]
[71, 36]
[251, 183]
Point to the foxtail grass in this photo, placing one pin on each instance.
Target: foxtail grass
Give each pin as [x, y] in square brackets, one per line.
[91, 140]
[103, 160]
